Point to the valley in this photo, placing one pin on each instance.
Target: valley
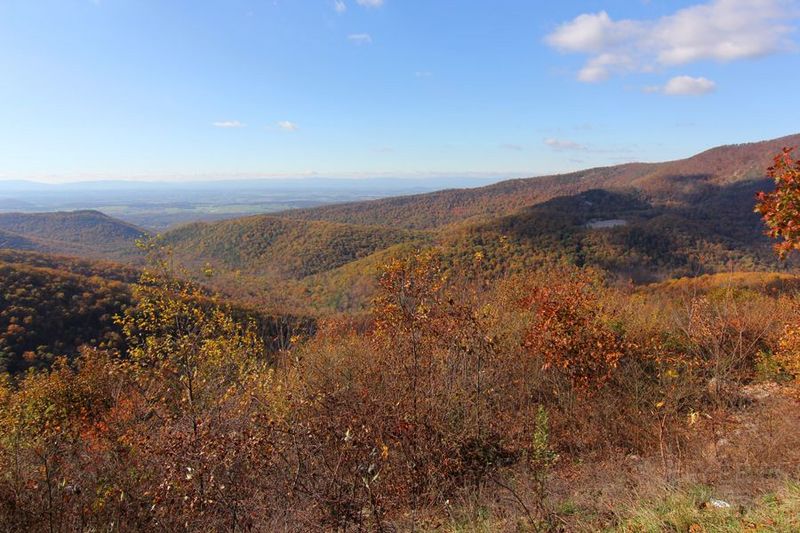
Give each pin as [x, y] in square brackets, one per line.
[681, 218]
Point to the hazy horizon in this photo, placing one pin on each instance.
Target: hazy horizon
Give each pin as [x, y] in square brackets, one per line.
[161, 204]
[299, 179]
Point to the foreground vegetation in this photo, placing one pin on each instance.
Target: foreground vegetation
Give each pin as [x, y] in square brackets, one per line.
[451, 401]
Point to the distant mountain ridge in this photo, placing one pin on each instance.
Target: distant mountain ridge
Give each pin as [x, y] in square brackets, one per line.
[668, 182]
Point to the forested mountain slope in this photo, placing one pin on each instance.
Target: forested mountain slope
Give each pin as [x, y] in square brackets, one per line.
[72, 232]
[17, 242]
[51, 306]
[282, 247]
[626, 233]
[47, 312]
[107, 270]
[685, 181]
[644, 222]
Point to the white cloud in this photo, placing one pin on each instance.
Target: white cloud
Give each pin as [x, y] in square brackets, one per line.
[686, 85]
[360, 38]
[591, 33]
[563, 145]
[370, 3]
[718, 30]
[228, 124]
[339, 6]
[286, 125]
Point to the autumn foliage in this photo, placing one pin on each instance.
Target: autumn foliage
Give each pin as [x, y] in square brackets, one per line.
[450, 388]
[780, 208]
[569, 331]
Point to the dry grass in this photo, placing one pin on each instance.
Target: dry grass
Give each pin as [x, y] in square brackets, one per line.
[748, 457]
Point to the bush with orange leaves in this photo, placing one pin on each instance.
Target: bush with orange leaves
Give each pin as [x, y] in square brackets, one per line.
[48, 459]
[569, 330]
[449, 387]
[563, 345]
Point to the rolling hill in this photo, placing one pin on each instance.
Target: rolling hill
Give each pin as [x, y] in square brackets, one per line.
[17, 242]
[106, 270]
[640, 221]
[627, 233]
[282, 247]
[71, 232]
[645, 222]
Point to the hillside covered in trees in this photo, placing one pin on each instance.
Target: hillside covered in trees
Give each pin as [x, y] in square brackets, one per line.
[283, 248]
[79, 233]
[619, 358]
[639, 222]
[685, 182]
[51, 307]
[682, 218]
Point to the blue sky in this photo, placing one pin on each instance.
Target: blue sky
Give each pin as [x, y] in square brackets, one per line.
[229, 88]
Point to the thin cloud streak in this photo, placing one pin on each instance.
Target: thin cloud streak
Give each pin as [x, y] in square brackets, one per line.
[228, 124]
[360, 38]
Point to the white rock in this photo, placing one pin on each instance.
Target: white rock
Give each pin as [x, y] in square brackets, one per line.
[603, 224]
